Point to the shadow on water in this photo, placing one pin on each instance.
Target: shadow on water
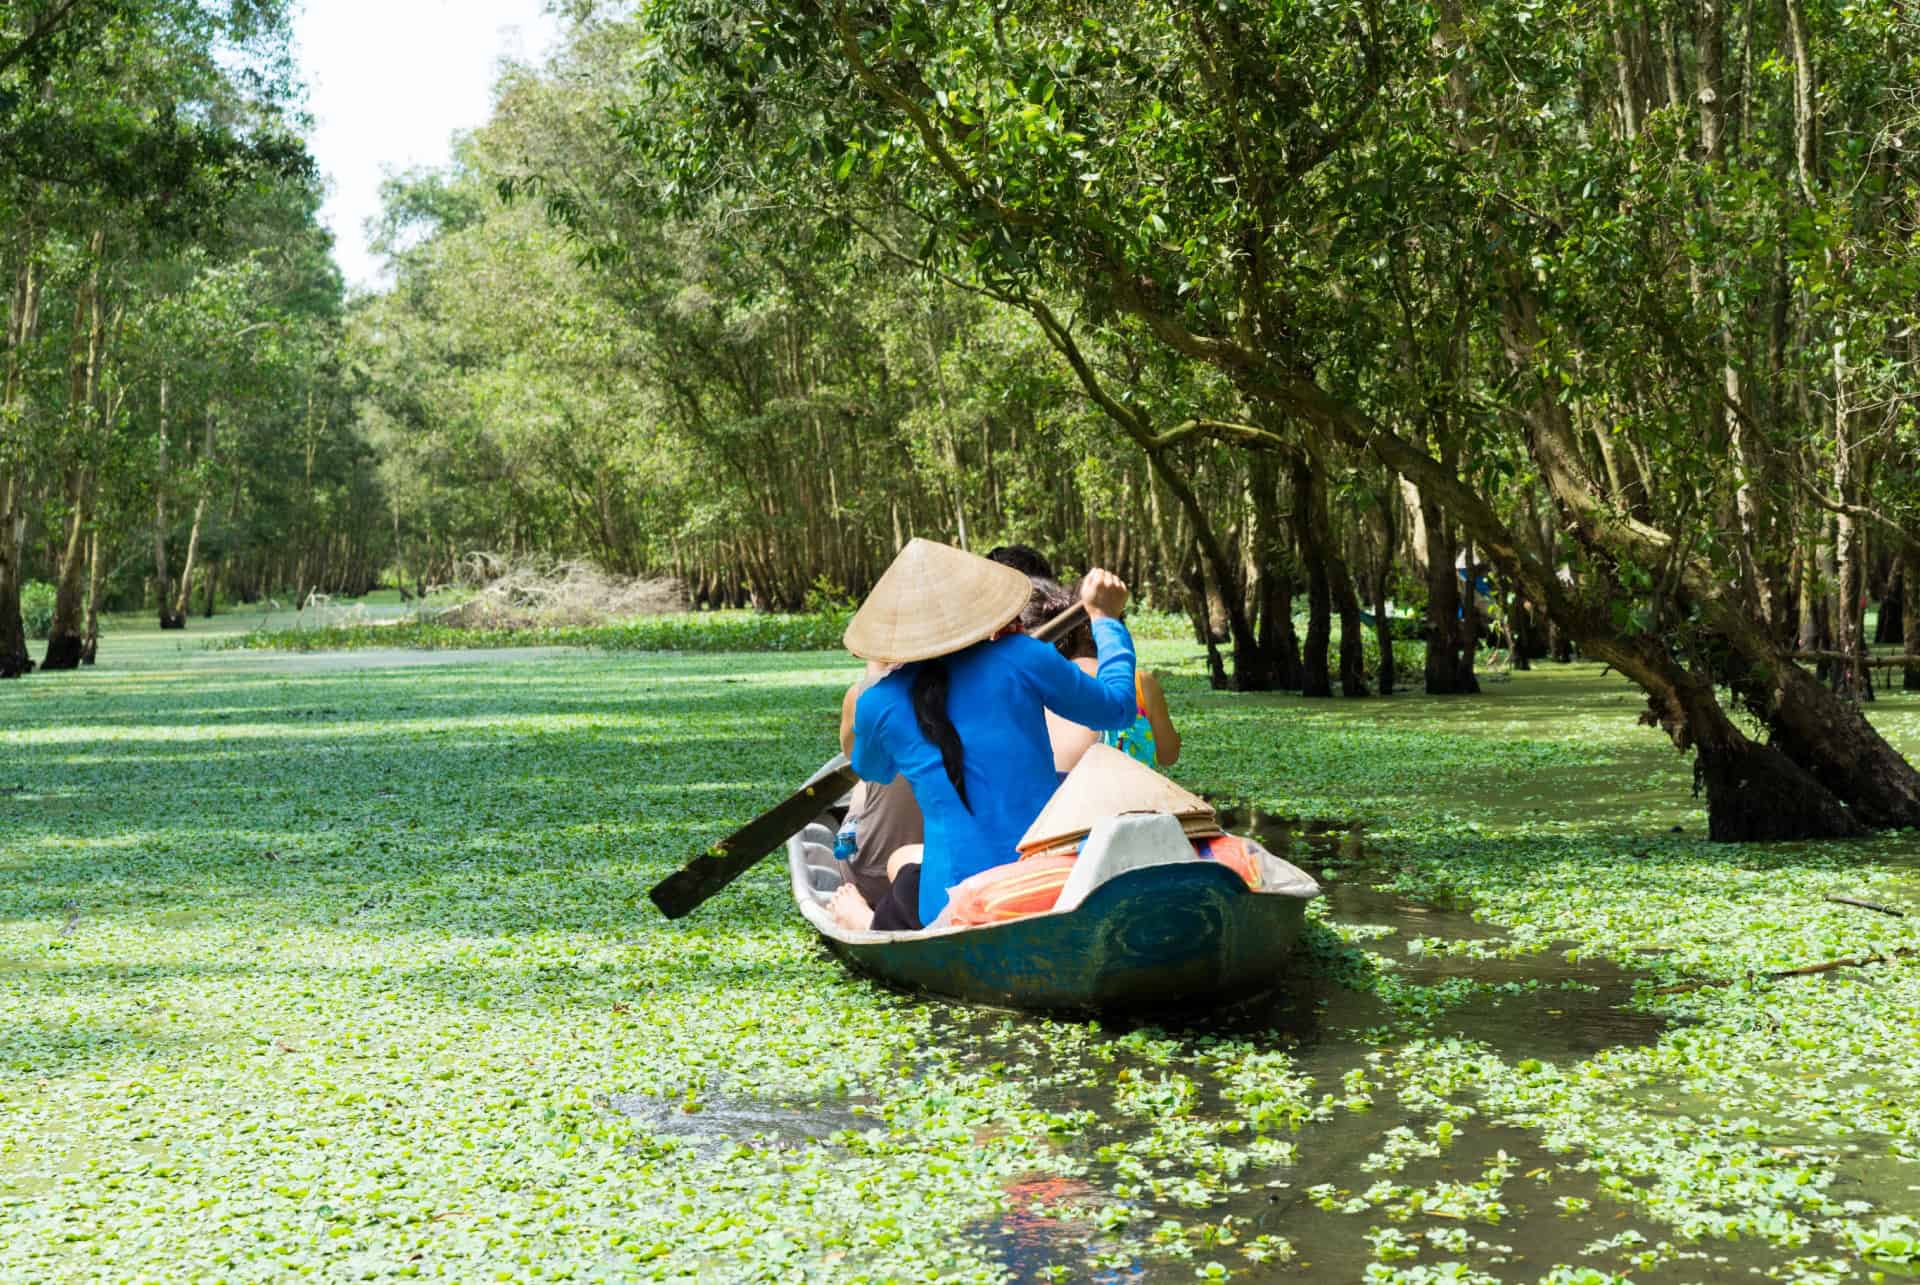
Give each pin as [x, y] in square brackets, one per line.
[1329, 1018]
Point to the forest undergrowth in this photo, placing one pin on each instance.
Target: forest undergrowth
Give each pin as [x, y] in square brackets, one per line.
[351, 972]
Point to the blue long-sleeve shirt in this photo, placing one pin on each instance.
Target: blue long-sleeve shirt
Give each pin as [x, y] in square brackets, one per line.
[995, 694]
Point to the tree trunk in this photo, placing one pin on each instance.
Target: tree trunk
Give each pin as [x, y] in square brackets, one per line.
[1353, 654]
[14, 660]
[1754, 792]
[186, 568]
[1271, 582]
[65, 638]
[90, 642]
[1890, 626]
[1449, 669]
[1849, 621]
[23, 312]
[1383, 517]
[162, 577]
[67, 634]
[1278, 641]
[1250, 672]
[1910, 617]
[1315, 680]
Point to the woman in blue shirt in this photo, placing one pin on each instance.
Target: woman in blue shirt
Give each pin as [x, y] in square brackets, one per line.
[961, 717]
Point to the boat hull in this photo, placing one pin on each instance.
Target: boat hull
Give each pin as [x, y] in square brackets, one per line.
[1174, 937]
[1152, 940]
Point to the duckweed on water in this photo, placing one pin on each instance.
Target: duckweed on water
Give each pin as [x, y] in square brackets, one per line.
[308, 969]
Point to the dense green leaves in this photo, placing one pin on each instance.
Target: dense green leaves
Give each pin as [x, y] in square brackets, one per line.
[346, 968]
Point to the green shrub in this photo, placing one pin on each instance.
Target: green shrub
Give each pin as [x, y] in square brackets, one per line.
[36, 608]
[682, 631]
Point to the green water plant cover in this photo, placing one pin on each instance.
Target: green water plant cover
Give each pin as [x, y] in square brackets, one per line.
[318, 971]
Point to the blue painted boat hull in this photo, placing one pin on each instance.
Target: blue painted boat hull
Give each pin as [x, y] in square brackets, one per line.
[1170, 937]
[1151, 940]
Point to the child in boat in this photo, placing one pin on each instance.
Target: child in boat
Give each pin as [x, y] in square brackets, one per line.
[1151, 738]
[963, 717]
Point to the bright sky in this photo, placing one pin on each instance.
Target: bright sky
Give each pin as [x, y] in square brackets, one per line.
[390, 82]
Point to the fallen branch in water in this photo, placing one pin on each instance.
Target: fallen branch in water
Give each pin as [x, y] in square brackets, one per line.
[1865, 905]
[1805, 970]
[1864, 662]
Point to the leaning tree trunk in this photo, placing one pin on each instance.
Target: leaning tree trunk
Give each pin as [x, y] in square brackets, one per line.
[1250, 672]
[186, 568]
[1754, 792]
[1824, 733]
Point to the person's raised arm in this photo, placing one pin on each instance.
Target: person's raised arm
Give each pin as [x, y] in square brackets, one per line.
[1103, 702]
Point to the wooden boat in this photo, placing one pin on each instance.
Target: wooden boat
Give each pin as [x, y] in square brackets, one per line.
[1168, 937]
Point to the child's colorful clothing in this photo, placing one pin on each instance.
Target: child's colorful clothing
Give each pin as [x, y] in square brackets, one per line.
[1136, 739]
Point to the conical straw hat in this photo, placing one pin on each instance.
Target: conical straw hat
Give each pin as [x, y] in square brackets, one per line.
[934, 600]
[1107, 782]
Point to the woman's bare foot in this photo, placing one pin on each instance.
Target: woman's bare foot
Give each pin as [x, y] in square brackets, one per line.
[850, 910]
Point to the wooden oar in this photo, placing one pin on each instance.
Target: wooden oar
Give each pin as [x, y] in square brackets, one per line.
[716, 867]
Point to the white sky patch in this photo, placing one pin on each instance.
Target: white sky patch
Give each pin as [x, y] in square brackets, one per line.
[390, 81]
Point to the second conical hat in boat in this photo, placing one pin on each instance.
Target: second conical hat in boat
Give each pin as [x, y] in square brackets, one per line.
[1107, 782]
[932, 601]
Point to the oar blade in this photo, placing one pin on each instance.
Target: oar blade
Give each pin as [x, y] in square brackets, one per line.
[719, 865]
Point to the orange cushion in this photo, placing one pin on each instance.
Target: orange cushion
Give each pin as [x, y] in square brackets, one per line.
[1026, 887]
[1230, 850]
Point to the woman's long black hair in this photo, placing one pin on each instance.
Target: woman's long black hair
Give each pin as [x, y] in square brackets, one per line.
[930, 712]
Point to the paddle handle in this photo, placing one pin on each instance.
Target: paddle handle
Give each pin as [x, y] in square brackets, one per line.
[1061, 623]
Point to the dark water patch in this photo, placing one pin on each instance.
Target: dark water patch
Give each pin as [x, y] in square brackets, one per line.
[1347, 1003]
[1448, 972]
[712, 1126]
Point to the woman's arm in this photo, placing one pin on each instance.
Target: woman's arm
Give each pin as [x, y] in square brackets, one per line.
[867, 744]
[848, 704]
[1105, 701]
[1166, 740]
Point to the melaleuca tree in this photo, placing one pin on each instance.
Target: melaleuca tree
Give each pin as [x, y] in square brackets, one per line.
[1225, 179]
[129, 128]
